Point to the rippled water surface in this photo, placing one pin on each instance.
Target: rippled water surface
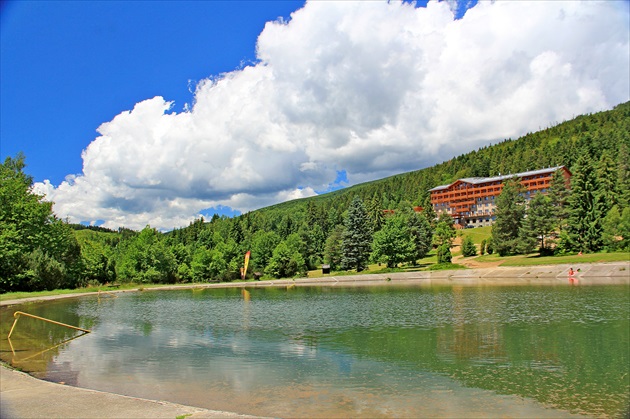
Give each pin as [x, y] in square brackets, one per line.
[387, 351]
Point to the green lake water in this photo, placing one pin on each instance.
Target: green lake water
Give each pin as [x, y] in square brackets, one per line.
[383, 351]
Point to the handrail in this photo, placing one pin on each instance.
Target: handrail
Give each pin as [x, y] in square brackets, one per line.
[17, 315]
[40, 352]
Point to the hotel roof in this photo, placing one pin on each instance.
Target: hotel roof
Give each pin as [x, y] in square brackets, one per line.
[480, 180]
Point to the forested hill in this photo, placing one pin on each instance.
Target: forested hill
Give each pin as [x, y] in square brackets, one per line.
[344, 229]
[562, 144]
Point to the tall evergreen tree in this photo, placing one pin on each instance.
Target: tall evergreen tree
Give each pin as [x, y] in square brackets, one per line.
[623, 177]
[468, 247]
[443, 237]
[559, 199]
[585, 209]
[333, 248]
[607, 182]
[375, 211]
[357, 237]
[428, 211]
[615, 229]
[510, 212]
[421, 236]
[538, 225]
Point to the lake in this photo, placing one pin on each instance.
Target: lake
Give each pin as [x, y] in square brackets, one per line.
[376, 351]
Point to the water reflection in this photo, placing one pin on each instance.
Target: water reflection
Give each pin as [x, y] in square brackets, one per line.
[361, 352]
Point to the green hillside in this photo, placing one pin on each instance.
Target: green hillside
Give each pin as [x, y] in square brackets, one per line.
[562, 144]
[346, 228]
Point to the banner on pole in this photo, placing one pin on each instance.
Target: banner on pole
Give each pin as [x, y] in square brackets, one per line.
[244, 270]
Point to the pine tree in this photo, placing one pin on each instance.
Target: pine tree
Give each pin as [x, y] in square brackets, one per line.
[468, 247]
[510, 212]
[623, 177]
[332, 249]
[443, 237]
[375, 210]
[611, 229]
[585, 209]
[357, 237]
[537, 225]
[428, 211]
[421, 234]
[607, 182]
[559, 197]
[489, 246]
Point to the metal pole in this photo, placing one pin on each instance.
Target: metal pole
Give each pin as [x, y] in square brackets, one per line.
[21, 313]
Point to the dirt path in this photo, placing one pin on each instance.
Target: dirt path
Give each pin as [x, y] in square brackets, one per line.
[474, 263]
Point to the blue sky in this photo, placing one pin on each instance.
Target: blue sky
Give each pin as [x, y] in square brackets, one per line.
[67, 67]
[337, 94]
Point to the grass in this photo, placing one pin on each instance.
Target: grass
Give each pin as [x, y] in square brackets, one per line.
[535, 259]
[478, 233]
[19, 295]
[429, 263]
[445, 266]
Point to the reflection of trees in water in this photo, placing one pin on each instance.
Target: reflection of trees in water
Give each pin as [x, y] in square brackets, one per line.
[34, 343]
[564, 347]
[563, 363]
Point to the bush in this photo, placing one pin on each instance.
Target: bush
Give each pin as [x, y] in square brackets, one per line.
[468, 247]
[44, 272]
[489, 246]
[444, 253]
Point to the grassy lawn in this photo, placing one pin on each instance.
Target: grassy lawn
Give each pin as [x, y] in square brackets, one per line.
[19, 295]
[478, 233]
[428, 263]
[534, 259]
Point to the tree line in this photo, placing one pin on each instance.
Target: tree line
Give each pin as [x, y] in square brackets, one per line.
[590, 216]
[347, 229]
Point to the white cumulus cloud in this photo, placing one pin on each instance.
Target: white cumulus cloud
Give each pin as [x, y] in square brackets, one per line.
[372, 88]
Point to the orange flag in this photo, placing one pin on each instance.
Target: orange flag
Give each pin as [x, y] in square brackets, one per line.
[244, 271]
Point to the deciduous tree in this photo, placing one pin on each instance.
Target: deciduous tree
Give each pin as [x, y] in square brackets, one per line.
[393, 244]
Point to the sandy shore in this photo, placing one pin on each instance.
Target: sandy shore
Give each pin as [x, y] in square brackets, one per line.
[23, 396]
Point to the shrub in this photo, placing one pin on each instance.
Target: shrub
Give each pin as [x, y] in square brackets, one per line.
[468, 247]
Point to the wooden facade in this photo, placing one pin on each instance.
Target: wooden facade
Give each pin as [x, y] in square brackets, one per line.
[471, 201]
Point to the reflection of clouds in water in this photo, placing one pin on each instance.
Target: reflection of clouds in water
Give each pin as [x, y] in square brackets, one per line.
[364, 357]
[339, 381]
[298, 349]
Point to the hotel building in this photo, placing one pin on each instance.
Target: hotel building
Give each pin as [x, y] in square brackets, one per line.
[471, 201]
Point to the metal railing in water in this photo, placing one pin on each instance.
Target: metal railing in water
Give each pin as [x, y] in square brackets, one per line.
[107, 293]
[17, 315]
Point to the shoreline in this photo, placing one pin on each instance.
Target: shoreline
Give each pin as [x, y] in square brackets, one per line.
[600, 273]
[21, 393]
